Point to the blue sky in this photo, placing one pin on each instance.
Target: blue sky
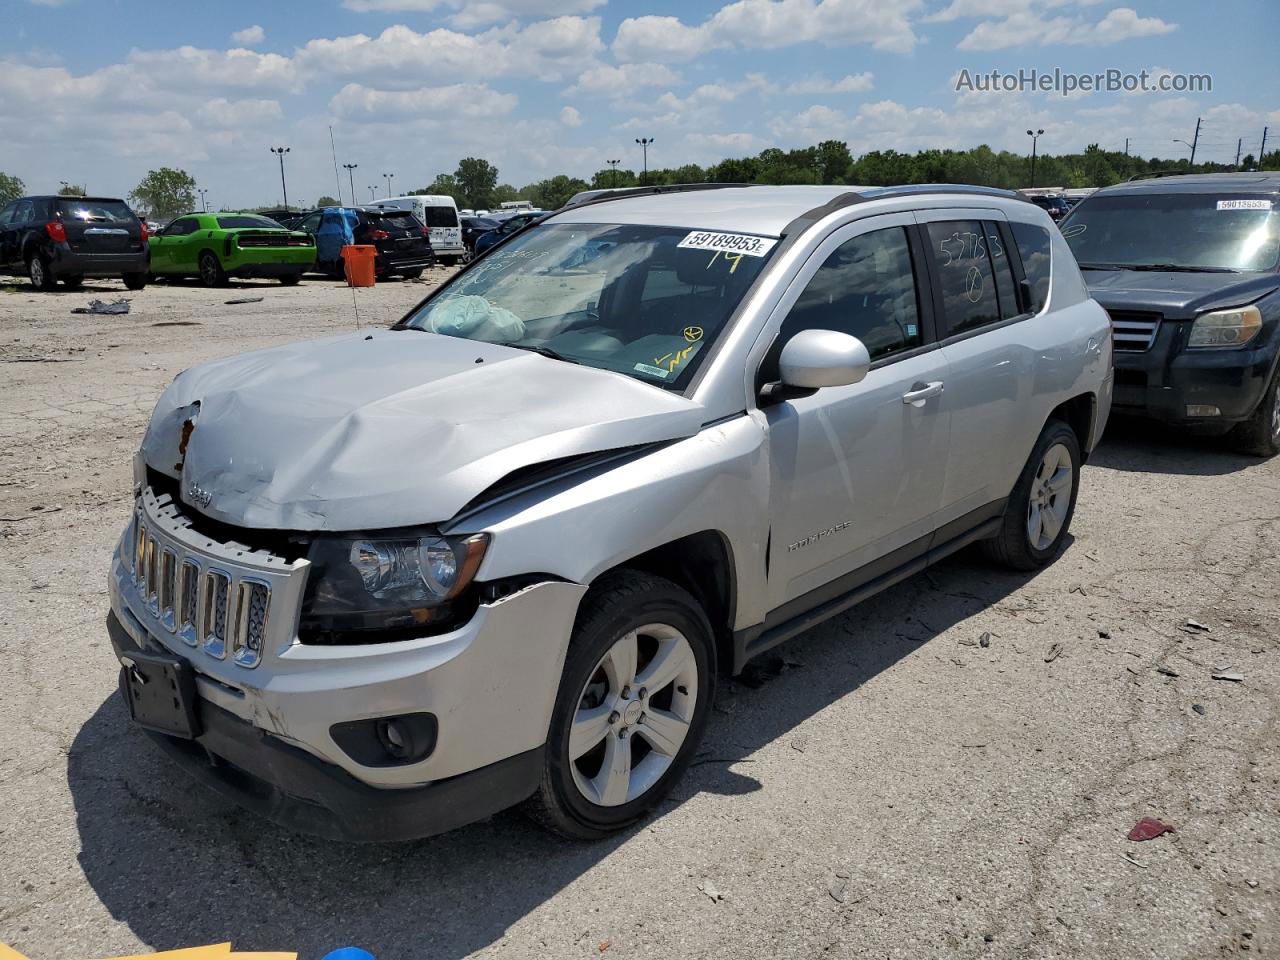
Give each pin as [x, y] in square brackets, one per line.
[99, 91]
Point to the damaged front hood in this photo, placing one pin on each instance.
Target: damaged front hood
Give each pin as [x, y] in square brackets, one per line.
[1179, 296]
[390, 429]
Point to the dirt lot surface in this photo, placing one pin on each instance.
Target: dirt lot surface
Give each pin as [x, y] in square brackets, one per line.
[887, 787]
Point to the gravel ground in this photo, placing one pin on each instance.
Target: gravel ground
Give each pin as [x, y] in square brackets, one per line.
[887, 787]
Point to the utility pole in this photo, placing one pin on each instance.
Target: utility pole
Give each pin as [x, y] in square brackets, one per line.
[644, 145]
[613, 172]
[1035, 136]
[1262, 151]
[1195, 141]
[280, 152]
[1126, 146]
[1239, 144]
[351, 180]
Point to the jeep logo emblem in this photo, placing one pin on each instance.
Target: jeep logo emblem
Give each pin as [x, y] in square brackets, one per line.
[198, 495]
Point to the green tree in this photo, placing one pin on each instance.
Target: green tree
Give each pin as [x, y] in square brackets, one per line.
[834, 160]
[71, 190]
[165, 193]
[606, 179]
[555, 191]
[328, 201]
[503, 193]
[10, 188]
[476, 180]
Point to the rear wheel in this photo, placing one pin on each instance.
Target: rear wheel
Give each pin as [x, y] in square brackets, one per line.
[211, 272]
[291, 280]
[1260, 434]
[135, 281]
[633, 703]
[1043, 501]
[412, 274]
[39, 273]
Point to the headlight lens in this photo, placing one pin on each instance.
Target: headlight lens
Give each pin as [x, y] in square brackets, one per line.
[367, 590]
[1225, 328]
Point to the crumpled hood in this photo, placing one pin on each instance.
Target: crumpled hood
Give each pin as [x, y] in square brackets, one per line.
[394, 428]
[1179, 296]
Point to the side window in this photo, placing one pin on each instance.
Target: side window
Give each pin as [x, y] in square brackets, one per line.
[1002, 266]
[181, 228]
[7, 213]
[867, 289]
[24, 213]
[1033, 246]
[311, 224]
[965, 277]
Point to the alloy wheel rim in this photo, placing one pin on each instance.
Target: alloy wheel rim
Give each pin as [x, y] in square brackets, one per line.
[1050, 497]
[208, 270]
[633, 715]
[1275, 415]
[37, 272]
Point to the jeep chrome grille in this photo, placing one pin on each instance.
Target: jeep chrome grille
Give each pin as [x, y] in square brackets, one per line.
[1133, 332]
[210, 603]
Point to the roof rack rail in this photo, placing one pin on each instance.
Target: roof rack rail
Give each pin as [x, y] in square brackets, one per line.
[1157, 174]
[653, 190]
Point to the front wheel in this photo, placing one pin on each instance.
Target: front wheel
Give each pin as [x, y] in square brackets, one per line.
[211, 272]
[1043, 501]
[135, 281]
[633, 703]
[1260, 434]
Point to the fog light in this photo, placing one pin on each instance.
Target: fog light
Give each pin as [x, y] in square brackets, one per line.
[387, 741]
[1202, 410]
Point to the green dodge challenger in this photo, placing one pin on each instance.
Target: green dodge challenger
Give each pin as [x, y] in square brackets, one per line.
[216, 246]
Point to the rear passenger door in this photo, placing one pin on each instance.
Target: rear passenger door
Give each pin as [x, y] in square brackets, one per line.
[990, 366]
[857, 471]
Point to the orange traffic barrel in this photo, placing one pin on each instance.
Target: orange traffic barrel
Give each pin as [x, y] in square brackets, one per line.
[359, 259]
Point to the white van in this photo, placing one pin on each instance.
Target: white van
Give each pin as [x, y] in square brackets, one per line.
[515, 206]
[439, 214]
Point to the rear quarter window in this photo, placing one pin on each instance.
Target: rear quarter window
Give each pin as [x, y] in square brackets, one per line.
[1033, 247]
[232, 223]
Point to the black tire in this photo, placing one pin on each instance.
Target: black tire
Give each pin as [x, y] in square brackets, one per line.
[412, 274]
[1259, 436]
[135, 281]
[291, 280]
[619, 603]
[1013, 547]
[40, 273]
[73, 281]
[211, 272]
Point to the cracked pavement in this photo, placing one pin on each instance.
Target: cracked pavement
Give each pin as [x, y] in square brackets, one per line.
[884, 786]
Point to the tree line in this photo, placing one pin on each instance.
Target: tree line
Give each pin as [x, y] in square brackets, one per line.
[475, 184]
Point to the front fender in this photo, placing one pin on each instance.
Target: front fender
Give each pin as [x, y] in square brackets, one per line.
[717, 480]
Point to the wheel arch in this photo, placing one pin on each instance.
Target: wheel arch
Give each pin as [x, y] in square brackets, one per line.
[1080, 414]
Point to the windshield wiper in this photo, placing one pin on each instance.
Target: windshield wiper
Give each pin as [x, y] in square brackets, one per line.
[542, 351]
[1168, 268]
[1101, 266]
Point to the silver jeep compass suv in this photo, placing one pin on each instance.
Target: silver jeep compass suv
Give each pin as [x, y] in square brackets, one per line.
[387, 583]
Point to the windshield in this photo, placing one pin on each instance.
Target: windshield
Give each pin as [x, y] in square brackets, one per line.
[1188, 231]
[641, 300]
[246, 220]
[95, 211]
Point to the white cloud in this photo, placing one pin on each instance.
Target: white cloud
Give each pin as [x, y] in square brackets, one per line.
[470, 13]
[770, 24]
[249, 36]
[1027, 27]
[357, 102]
[570, 117]
[851, 83]
[610, 81]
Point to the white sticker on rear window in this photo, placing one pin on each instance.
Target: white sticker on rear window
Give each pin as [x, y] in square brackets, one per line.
[1244, 204]
[728, 243]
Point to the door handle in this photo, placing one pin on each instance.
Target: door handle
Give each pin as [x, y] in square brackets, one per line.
[921, 392]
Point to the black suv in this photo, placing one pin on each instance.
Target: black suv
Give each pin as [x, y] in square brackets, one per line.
[402, 242]
[70, 238]
[1189, 269]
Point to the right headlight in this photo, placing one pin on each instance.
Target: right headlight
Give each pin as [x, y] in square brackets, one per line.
[1225, 328]
[370, 589]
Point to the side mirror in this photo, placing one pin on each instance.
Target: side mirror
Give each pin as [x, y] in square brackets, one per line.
[823, 358]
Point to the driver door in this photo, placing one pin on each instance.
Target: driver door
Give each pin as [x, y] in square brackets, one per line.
[857, 471]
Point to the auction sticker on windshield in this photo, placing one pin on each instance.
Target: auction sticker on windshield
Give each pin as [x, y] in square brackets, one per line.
[728, 243]
[1244, 204]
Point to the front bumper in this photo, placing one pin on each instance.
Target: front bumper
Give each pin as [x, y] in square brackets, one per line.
[1163, 381]
[69, 263]
[491, 684]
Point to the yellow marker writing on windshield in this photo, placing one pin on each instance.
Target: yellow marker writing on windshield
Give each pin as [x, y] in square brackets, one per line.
[733, 258]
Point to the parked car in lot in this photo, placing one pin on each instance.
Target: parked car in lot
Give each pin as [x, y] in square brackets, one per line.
[70, 238]
[505, 228]
[219, 246]
[386, 583]
[402, 242]
[1056, 207]
[439, 213]
[1189, 269]
[472, 228]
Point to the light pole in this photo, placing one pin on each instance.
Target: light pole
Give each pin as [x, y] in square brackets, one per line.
[280, 152]
[351, 180]
[613, 172]
[204, 207]
[644, 146]
[65, 184]
[1035, 136]
[387, 177]
[372, 193]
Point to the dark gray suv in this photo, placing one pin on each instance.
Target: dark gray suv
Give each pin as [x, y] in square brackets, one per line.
[1188, 267]
[70, 238]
